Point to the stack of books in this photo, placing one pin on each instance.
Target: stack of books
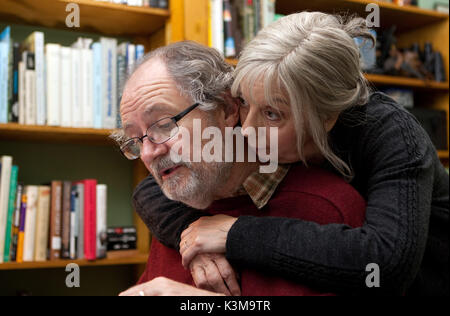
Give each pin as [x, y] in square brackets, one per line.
[59, 220]
[77, 86]
[234, 23]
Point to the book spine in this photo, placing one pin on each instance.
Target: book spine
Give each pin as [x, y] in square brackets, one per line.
[217, 25]
[230, 47]
[16, 227]
[55, 221]
[90, 226]
[5, 178]
[77, 113]
[66, 191]
[80, 220]
[3, 83]
[73, 223]
[42, 223]
[41, 109]
[21, 235]
[66, 87]
[30, 223]
[53, 74]
[22, 93]
[101, 220]
[30, 89]
[11, 208]
[109, 73]
[14, 107]
[97, 91]
[86, 83]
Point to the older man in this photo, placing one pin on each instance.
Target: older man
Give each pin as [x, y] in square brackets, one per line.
[175, 86]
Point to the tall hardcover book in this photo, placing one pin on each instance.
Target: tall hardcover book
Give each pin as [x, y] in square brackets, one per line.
[5, 178]
[42, 223]
[79, 209]
[77, 113]
[55, 220]
[109, 86]
[216, 17]
[101, 221]
[16, 227]
[30, 89]
[97, 81]
[14, 105]
[35, 44]
[11, 209]
[30, 223]
[90, 219]
[5, 42]
[22, 92]
[66, 191]
[53, 75]
[86, 87]
[66, 87]
[74, 222]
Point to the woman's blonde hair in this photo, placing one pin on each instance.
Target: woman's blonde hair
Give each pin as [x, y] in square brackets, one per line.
[313, 57]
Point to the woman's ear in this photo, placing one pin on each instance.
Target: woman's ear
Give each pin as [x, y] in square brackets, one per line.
[231, 110]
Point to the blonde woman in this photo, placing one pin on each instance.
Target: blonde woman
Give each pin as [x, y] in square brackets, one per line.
[302, 74]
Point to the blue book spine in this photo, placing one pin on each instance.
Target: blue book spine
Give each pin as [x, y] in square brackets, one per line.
[97, 89]
[140, 52]
[11, 208]
[5, 40]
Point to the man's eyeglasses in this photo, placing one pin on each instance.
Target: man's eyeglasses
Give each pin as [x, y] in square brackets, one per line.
[158, 133]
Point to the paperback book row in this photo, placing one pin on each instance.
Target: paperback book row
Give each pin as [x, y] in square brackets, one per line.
[162, 4]
[77, 86]
[234, 23]
[61, 220]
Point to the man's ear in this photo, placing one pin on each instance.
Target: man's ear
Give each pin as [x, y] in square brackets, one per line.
[231, 109]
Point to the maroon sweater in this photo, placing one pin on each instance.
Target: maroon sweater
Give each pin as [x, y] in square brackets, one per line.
[310, 194]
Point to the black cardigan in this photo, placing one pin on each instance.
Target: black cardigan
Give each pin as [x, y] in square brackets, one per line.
[396, 170]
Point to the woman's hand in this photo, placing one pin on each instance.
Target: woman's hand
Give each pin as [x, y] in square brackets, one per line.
[206, 235]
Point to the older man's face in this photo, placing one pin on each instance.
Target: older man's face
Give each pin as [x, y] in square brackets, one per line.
[150, 95]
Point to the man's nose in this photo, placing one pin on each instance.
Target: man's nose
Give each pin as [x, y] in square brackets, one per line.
[151, 151]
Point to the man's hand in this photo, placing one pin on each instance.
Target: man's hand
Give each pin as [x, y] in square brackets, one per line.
[164, 287]
[206, 235]
[214, 273]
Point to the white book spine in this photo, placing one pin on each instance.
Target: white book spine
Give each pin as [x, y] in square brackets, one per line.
[87, 83]
[77, 113]
[30, 223]
[217, 25]
[30, 97]
[66, 98]
[5, 178]
[109, 73]
[53, 73]
[42, 223]
[41, 111]
[101, 220]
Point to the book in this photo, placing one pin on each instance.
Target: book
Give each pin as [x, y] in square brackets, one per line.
[21, 235]
[66, 98]
[11, 209]
[16, 227]
[97, 81]
[35, 44]
[5, 42]
[30, 223]
[13, 112]
[74, 223]
[30, 89]
[55, 220]
[101, 221]
[109, 75]
[87, 106]
[42, 223]
[5, 178]
[230, 46]
[77, 113]
[65, 233]
[79, 211]
[22, 92]
[53, 76]
[217, 31]
[90, 219]
[267, 12]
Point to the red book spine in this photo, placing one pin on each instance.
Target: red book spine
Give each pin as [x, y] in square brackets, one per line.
[90, 219]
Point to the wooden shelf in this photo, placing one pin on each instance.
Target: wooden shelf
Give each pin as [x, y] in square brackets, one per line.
[129, 257]
[50, 134]
[106, 18]
[443, 154]
[405, 17]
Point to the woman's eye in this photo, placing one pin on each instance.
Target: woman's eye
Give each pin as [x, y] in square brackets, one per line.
[242, 101]
[272, 116]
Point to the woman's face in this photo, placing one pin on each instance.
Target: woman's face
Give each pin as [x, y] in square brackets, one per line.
[256, 112]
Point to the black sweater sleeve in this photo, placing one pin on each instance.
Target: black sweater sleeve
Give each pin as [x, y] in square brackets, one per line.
[166, 219]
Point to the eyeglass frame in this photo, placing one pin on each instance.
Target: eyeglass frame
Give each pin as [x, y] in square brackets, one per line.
[175, 119]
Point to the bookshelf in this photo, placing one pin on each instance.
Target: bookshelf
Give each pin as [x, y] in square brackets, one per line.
[413, 25]
[148, 26]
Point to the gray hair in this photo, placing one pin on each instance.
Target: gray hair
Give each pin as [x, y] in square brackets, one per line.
[313, 58]
[200, 72]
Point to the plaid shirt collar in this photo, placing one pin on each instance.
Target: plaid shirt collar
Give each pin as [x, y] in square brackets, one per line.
[261, 186]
